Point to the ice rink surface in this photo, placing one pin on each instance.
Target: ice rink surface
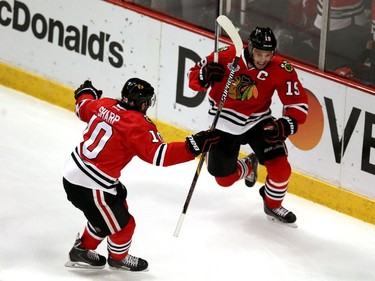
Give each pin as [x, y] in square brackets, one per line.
[225, 235]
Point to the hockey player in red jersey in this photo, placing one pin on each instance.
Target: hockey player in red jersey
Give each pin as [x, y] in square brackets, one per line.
[117, 130]
[246, 117]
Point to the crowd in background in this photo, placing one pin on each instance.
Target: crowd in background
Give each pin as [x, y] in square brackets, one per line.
[297, 25]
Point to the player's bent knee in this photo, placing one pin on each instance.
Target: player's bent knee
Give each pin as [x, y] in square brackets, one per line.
[224, 181]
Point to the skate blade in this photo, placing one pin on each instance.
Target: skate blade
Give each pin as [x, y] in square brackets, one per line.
[271, 218]
[80, 265]
[127, 269]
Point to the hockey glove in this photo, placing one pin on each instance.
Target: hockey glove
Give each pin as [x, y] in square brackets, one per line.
[279, 129]
[211, 73]
[201, 142]
[87, 88]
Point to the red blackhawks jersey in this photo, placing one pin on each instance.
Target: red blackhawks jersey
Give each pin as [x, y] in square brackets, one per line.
[112, 138]
[250, 94]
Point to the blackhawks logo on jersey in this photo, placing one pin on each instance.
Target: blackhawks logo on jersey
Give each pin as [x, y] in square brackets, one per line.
[287, 66]
[242, 88]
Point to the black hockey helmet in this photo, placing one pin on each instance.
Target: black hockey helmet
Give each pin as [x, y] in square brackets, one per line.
[135, 92]
[262, 38]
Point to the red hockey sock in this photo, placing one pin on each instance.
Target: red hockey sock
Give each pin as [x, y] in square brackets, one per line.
[273, 204]
[279, 171]
[243, 170]
[88, 241]
[120, 242]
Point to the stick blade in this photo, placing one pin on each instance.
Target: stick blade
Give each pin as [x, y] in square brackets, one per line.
[232, 32]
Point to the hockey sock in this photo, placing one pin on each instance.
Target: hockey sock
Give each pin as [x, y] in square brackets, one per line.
[274, 196]
[118, 244]
[89, 239]
[279, 171]
[243, 170]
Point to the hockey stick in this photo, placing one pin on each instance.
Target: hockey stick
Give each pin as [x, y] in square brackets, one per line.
[230, 29]
[217, 31]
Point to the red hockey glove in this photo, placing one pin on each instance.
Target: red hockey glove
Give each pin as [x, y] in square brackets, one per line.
[201, 142]
[87, 88]
[280, 129]
[211, 73]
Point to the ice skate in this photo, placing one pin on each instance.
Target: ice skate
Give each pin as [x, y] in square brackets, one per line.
[251, 179]
[280, 215]
[129, 263]
[84, 258]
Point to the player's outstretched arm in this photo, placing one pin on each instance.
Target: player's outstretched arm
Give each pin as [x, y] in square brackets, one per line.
[202, 141]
